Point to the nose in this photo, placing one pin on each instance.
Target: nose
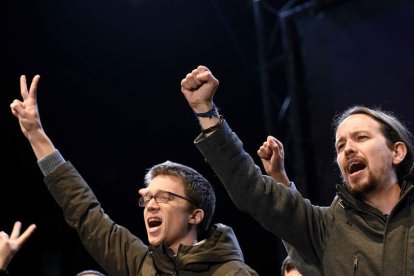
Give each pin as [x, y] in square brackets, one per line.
[152, 204]
[350, 148]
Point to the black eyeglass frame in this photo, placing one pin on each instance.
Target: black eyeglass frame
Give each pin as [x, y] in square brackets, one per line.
[143, 203]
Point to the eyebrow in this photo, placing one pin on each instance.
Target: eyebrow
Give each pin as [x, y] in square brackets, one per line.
[156, 192]
[340, 140]
[163, 191]
[353, 133]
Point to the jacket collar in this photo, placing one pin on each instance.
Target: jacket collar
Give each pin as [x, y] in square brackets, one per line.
[221, 246]
[349, 200]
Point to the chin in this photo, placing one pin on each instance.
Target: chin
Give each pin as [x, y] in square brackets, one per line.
[155, 239]
[155, 242]
[362, 189]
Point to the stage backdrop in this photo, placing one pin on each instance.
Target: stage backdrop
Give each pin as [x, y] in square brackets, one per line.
[343, 53]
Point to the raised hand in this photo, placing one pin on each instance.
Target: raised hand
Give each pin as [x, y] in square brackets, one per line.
[9, 246]
[199, 88]
[26, 111]
[28, 114]
[273, 158]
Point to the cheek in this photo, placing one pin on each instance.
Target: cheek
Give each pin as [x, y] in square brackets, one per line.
[381, 157]
[339, 162]
[387, 166]
[178, 220]
[172, 218]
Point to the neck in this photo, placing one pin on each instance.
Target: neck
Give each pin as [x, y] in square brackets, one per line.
[384, 199]
[189, 240]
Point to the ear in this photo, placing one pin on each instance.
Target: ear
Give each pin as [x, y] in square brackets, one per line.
[196, 217]
[142, 191]
[399, 152]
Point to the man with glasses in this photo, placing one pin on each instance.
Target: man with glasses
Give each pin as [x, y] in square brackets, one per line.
[178, 206]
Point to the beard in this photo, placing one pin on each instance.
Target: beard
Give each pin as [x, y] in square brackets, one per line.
[361, 189]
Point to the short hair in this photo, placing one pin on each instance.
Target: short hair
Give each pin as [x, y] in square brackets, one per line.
[197, 188]
[93, 272]
[392, 129]
[287, 265]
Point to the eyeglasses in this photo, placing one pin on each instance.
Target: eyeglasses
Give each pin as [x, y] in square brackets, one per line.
[160, 197]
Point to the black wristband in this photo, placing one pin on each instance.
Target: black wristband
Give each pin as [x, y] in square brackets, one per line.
[209, 114]
[3, 272]
[213, 128]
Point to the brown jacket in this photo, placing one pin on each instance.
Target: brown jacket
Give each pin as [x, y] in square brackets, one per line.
[119, 252]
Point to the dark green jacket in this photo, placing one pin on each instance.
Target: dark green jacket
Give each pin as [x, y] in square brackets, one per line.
[347, 238]
[121, 253]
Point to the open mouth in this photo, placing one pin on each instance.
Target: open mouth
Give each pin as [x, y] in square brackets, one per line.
[355, 167]
[154, 222]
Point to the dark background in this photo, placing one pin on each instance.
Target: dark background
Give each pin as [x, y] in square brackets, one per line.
[110, 100]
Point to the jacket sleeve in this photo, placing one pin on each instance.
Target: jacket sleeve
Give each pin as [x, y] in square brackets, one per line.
[302, 266]
[111, 245]
[279, 209]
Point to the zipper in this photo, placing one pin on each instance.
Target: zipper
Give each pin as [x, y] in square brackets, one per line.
[355, 265]
[344, 205]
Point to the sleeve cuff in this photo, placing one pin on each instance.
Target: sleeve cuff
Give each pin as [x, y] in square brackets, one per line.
[50, 162]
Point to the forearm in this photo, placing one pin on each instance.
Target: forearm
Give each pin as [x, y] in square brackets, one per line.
[208, 118]
[111, 245]
[40, 143]
[206, 123]
[281, 178]
[82, 211]
[267, 201]
[237, 171]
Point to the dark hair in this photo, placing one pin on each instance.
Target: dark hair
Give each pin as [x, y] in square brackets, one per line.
[392, 129]
[287, 265]
[93, 272]
[197, 188]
